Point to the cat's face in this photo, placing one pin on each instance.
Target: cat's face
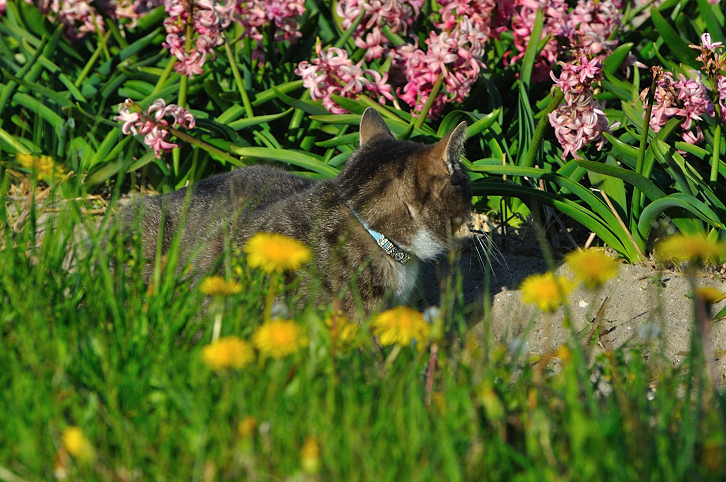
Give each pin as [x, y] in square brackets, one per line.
[416, 195]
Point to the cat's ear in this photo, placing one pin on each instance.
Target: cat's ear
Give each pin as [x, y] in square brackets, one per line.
[447, 150]
[372, 125]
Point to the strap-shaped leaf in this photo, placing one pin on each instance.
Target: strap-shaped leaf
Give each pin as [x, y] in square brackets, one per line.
[295, 158]
[583, 216]
[616, 58]
[598, 206]
[673, 40]
[645, 185]
[677, 200]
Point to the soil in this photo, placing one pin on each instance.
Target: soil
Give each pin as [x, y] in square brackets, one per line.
[644, 308]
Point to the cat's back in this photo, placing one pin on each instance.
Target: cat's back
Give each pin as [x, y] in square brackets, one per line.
[260, 185]
[205, 210]
[222, 195]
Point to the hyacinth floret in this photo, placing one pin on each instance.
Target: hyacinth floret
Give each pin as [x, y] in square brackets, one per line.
[209, 18]
[332, 72]
[587, 27]
[152, 123]
[81, 17]
[555, 22]
[721, 87]
[397, 15]
[282, 17]
[580, 119]
[206, 18]
[710, 56]
[685, 98]
[713, 60]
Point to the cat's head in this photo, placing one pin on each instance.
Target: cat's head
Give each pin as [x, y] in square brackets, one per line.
[417, 195]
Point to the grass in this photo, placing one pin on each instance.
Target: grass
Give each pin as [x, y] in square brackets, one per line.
[102, 376]
[85, 347]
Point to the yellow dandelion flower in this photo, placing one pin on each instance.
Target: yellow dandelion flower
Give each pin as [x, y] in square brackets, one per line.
[710, 295]
[42, 166]
[218, 286]
[275, 253]
[310, 455]
[564, 354]
[246, 427]
[342, 330]
[227, 352]
[690, 247]
[400, 325]
[545, 290]
[76, 443]
[279, 338]
[591, 266]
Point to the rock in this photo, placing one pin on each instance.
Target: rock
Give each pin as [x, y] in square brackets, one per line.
[640, 307]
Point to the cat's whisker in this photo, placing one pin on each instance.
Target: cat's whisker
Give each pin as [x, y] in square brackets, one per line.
[482, 253]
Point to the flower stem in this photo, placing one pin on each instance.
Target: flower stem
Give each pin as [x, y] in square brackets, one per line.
[390, 359]
[431, 370]
[164, 76]
[429, 102]
[183, 88]
[238, 78]
[203, 145]
[217, 327]
[185, 137]
[636, 202]
[533, 150]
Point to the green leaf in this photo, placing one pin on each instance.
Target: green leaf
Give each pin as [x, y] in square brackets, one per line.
[139, 44]
[619, 89]
[103, 149]
[291, 157]
[231, 114]
[622, 151]
[598, 206]
[344, 140]
[109, 169]
[677, 200]
[483, 123]
[397, 126]
[14, 143]
[645, 185]
[697, 151]
[271, 93]
[612, 62]
[307, 106]
[673, 40]
[564, 205]
[57, 97]
[37, 107]
[711, 16]
[260, 119]
[533, 47]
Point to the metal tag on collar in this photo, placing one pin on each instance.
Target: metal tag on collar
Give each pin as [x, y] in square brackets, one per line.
[386, 244]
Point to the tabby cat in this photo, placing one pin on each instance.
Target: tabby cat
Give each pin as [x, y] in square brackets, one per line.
[393, 204]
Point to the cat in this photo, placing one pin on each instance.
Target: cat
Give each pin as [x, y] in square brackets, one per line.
[411, 196]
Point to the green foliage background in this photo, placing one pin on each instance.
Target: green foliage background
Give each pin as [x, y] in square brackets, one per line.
[59, 99]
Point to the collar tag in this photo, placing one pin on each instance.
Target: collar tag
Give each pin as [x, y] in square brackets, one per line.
[386, 244]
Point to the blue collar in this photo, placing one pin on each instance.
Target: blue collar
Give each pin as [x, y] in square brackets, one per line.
[386, 244]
